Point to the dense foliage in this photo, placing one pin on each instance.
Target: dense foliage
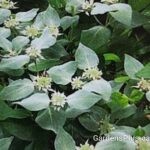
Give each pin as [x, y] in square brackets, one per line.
[73, 72]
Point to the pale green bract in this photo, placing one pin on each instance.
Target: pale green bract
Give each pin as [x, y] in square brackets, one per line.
[85, 57]
[132, 66]
[35, 102]
[16, 62]
[62, 74]
[26, 16]
[17, 90]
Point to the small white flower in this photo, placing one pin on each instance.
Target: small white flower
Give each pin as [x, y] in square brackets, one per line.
[42, 83]
[87, 6]
[7, 4]
[92, 73]
[54, 30]
[10, 53]
[58, 100]
[33, 52]
[11, 22]
[31, 31]
[77, 83]
[86, 146]
[109, 1]
[143, 85]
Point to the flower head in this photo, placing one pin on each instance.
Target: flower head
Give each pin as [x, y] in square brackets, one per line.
[142, 144]
[7, 4]
[33, 52]
[58, 100]
[86, 146]
[31, 31]
[143, 85]
[92, 73]
[87, 6]
[11, 22]
[43, 83]
[77, 83]
[109, 1]
[54, 31]
[106, 126]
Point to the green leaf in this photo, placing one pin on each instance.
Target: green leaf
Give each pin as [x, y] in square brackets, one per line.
[148, 96]
[57, 3]
[73, 113]
[122, 79]
[17, 90]
[101, 87]
[35, 102]
[22, 129]
[62, 74]
[7, 112]
[43, 64]
[14, 73]
[52, 52]
[95, 37]
[123, 113]
[138, 19]
[139, 132]
[132, 66]
[4, 14]
[136, 96]
[85, 57]
[119, 101]
[91, 120]
[51, 119]
[139, 4]
[64, 141]
[5, 143]
[83, 99]
[111, 57]
[44, 41]
[4, 32]
[26, 16]
[16, 62]
[68, 21]
[145, 72]
[19, 43]
[5, 44]
[51, 17]
[122, 13]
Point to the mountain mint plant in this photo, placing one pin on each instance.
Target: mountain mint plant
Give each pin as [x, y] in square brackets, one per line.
[74, 75]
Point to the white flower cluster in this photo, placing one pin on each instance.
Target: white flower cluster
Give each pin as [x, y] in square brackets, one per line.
[87, 6]
[92, 73]
[34, 52]
[86, 146]
[7, 4]
[11, 22]
[31, 31]
[143, 85]
[58, 100]
[54, 30]
[43, 83]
